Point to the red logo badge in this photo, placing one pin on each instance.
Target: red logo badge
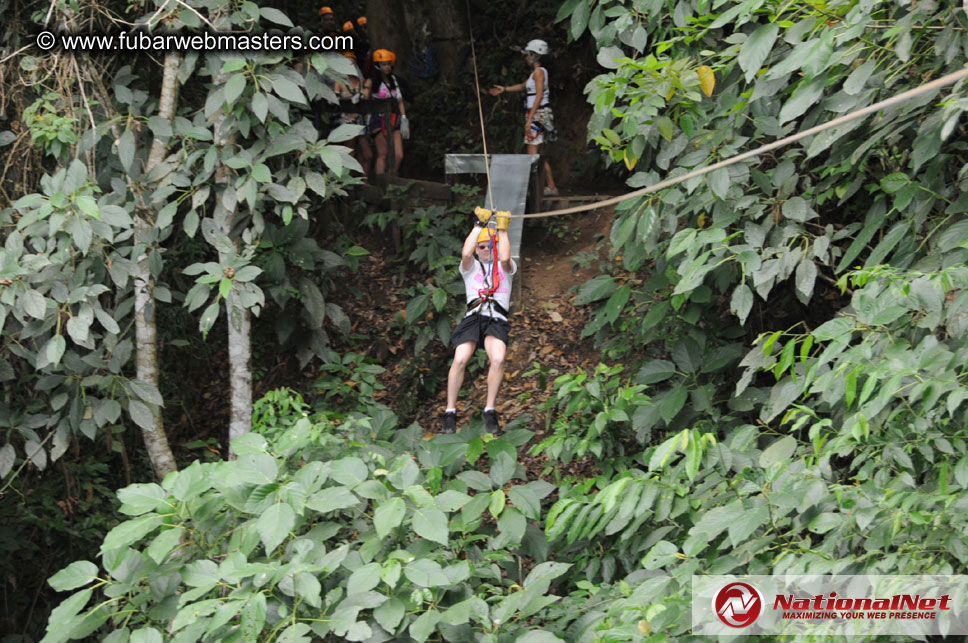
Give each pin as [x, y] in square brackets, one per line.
[738, 604]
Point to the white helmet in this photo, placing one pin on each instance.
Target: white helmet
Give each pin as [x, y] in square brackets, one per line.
[539, 47]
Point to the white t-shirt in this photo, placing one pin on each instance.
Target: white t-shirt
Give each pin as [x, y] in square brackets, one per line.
[474, 281]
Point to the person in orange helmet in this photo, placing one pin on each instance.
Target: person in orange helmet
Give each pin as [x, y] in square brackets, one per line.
[327, 21]
[382, 83]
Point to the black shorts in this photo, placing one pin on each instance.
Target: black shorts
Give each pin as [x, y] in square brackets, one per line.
[476, 327]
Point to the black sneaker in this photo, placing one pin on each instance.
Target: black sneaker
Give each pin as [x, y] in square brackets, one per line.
[491, 423]
[450, 422]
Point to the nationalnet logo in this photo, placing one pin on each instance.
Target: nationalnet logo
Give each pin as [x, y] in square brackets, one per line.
[830, 605]
[738, 604]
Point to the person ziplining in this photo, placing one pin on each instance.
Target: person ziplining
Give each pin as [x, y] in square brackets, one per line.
[487, 286]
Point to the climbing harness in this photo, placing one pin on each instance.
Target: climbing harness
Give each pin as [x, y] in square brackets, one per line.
[492, 277]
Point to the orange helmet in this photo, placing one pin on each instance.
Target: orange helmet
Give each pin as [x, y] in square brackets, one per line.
[348, 25]
[384, 56]
[349, 54]
[325, 10]
[361, 20]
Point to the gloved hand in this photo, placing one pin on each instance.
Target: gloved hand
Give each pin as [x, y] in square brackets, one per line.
[503, 220]
[483, 215]
[355, 98]
[404, 128]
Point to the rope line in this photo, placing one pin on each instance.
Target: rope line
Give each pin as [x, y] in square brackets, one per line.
[480, 107]
[949, 79]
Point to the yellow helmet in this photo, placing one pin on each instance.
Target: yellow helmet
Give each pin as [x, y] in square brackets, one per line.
[486, 235]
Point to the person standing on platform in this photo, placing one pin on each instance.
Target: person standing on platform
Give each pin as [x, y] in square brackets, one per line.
[539, 122]
[382, 83]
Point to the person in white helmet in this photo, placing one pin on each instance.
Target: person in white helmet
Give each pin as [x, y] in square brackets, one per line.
[539, 122]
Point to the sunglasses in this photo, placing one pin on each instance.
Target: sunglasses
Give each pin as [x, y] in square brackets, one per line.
[483, 246]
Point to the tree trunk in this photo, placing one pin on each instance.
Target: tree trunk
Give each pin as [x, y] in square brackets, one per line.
[387, 25]
[224, 215]
[448, 24]
[146, 335]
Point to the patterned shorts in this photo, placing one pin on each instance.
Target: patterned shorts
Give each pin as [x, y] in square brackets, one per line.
[547, 133]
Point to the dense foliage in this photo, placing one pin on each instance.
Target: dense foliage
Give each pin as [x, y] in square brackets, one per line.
[785, 345]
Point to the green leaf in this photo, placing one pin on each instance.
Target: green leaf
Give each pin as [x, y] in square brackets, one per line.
[803, 98]
[596, 288]
[741, 302]
[388, 516]
[208, 317]
[163, 544]
[332, 499]
[718, 182]
[672, 403]
[141, 498]
[364, 579]
[430, 524]
[755, 50]
[126, 150]
[260, 106]
[54, 349]
[858, 78]
[825, 522]
[657, 370]
[63, 617]
[275, 524]
[780, 450]
[806, 276]
[146, 635]
[234, 88]
[526, 501]
[894, 182]
[426, 573]
[141, 414]
[661, 554]
[424, 625]
[349, 471]
[129, 532]
[77, 574]
[616, 303]
[276, 16]
[747, 523]
[288, 90]
[390, 613]
[538, 636]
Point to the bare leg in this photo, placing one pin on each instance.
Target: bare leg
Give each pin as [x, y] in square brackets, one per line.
[496, 350]
[397, 150]
[549, 179]
[381, 153]
[455, 378]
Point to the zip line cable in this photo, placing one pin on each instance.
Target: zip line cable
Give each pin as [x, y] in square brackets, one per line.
[480, 107]
[948, 79]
